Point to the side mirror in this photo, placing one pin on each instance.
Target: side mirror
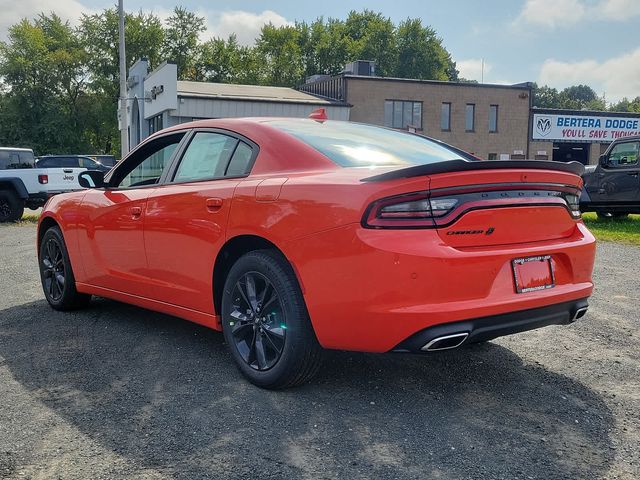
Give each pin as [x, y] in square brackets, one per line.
[604, 160]
[91, 179]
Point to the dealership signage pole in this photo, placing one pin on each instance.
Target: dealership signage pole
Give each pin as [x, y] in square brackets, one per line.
[124, 131]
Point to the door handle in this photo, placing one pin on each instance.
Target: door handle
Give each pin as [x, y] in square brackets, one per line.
[214, 204]
[633, 174]
[136, 212]
[67, 170]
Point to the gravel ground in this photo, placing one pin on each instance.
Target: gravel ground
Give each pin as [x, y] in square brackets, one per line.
[119, 392]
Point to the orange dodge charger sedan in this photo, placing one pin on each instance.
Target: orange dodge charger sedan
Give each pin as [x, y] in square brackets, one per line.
[294, 235]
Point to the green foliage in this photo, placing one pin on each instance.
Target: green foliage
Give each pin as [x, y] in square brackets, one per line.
[181, 43]
[577, 97]
[626, 105]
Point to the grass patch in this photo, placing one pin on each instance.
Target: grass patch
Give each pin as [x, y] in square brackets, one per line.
[625, 230]
[27, 219]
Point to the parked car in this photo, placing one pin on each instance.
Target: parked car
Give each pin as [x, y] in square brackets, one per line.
[612, 188]
[106, 160]
[16, 158]
[71, 161]
[294, 235]
[24, 186]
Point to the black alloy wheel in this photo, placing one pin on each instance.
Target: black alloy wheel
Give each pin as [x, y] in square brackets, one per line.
[257, 322]
[5, 210]
[53, 269]
[56, 274]
[266, 324]
[11, 207]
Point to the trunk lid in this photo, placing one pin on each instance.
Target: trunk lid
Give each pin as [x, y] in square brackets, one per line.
[499, 207]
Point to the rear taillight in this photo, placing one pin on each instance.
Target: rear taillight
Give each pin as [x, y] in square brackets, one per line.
[43, 179]
[429, 210]
[573, 201]
[415, 210]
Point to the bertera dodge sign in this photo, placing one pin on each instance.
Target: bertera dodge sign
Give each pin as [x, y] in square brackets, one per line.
[583, 128]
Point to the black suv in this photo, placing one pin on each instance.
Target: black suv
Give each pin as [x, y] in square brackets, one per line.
[73, 161]
[612, 188]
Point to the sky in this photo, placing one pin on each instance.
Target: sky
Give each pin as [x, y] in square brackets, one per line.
[553, 42]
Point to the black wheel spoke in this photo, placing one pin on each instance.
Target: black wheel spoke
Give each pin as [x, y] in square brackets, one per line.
[251, 291]
[261, 355]
[259, 335]
[272, 298]
[278, 349]
[244, 295]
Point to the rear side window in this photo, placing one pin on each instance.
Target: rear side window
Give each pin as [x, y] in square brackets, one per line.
[359, 145]
[206, 157]
[241, 161]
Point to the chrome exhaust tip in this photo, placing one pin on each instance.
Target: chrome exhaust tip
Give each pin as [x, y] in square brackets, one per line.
[446, 342]
[579, 313]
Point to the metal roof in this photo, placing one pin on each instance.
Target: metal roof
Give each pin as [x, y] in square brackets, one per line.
[229, 91]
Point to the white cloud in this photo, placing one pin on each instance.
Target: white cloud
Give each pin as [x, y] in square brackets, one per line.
[619, 9]
[617, 77]
[564, 13]
[14, 11]
[471, 69]
[246, 25]
[552, 13]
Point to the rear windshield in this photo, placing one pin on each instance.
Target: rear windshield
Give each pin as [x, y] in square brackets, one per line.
[359, 145]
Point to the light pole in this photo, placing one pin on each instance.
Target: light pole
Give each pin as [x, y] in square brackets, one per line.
[124, 131]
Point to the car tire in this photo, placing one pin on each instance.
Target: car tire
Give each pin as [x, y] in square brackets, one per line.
[603, 215]
[56, 274]
[266, 324]
[11, 207]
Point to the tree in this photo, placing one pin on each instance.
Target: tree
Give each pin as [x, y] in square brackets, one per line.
[181, 41]
[373, 37]
[545, 97]
[98, 33]
[280, 48]
[626, 105]
[421, 53]
[43, 66]
[580, 97]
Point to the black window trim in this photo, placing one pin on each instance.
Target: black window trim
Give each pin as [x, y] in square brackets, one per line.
[127, 160]
[177, 159]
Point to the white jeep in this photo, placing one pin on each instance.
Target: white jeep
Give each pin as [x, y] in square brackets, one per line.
[24, 186]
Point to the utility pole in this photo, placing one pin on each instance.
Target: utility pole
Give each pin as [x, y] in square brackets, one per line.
[124, 131]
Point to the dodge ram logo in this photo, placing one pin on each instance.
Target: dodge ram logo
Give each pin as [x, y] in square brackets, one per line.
[543, 126]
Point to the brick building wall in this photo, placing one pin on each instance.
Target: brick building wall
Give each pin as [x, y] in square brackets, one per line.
[367, 95]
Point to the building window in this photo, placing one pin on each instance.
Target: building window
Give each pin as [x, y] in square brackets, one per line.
[445, 117]
[470, 117]
[402, 114]
[493, 118]
[155, 124]
[492, 156]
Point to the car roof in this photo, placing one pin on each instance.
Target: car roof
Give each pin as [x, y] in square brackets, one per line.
[632, 138]
[16, 149]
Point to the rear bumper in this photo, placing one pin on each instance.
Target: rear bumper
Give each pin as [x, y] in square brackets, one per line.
[487, 328]
[370, 290]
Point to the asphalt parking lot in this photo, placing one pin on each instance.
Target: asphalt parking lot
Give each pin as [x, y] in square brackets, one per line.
[119, 392]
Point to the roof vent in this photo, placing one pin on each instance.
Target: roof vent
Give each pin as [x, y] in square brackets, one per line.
[363, 68]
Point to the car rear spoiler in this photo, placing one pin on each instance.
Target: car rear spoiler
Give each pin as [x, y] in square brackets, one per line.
[451, 166]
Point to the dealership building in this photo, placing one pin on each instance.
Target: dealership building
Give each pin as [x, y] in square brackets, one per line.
[490, 121]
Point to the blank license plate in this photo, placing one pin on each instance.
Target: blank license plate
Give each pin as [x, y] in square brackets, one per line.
[533, 273]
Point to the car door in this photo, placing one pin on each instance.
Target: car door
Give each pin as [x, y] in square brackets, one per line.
[187, 217]
[619, 177]
[111, 220]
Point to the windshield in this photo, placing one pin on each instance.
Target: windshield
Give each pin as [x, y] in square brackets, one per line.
[359, 145]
